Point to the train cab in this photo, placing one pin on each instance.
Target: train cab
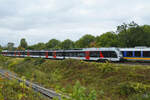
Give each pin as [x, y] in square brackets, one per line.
[95, 54]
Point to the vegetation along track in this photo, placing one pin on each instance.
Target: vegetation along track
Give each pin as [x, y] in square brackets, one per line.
[48, 93]
[133, 63]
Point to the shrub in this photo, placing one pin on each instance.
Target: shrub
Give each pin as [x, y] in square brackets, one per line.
[79, 93]
[12, 90]
[3, 59]
[38, 76]
[55, 75]
[12, 64]
[27, 58]
[39, 61]
[130, 88]
[1, 86]
[106, 67]
[145, 96]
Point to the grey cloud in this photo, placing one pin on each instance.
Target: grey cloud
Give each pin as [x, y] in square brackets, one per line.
[41, 20]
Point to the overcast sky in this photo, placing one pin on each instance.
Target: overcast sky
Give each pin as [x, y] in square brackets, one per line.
[42, 20]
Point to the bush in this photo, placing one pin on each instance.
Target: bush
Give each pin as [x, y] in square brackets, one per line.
[3, 59]
[27, 58]
[106, 67]
[39, 61]
[12, 90]
[79, 93]
[130, 88]
[145, 96]
[12, 64]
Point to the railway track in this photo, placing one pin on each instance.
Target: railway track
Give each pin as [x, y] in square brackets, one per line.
[46, 92]
[145, 63]
[133, 63]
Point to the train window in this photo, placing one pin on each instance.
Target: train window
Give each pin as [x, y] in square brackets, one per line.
[109, 54]
[16, 53]
[32, 53]
[71, 54]
[146, 53]
[74, 54]
[129, 53]
[124, 53]
[137, 53]
[80, 54]
[26, 53]
[50, 53]
[36, 53]
[105, 54]
[113, 54]
[10, 53]
[22, 53]
[94, 53]
[59, 53]
[66, 54]
[42, 53]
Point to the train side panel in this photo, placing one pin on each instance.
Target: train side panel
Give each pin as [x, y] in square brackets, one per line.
[135, 54]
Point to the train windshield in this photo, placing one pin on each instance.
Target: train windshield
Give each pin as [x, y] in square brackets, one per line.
[120, 53]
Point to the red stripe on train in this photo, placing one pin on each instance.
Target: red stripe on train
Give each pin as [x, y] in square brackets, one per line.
[87, 55]
[28, 54]
[46, 54]
[101, 55]
[19, 53]
[15, 53]
[54, 54]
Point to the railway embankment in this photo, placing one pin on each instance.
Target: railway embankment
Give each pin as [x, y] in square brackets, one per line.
[79, 79]
[13, 90]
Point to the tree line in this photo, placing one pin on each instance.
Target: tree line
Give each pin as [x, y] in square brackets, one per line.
[126, 35]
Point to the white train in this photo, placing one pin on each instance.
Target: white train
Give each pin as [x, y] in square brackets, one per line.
[95, 54]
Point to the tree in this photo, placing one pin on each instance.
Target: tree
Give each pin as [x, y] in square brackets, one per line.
[53, 44]
[39, 46]
[10, 46]
[135, 35]
[124, 27]
[67, 44]
[23, 43]
[85, 41]
[109, 39]
[0, 47]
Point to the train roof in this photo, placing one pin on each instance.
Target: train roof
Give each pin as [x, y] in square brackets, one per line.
[98, 49]
[80, 49]
[134, 49]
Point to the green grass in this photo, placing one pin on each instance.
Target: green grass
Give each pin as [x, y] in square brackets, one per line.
[109, 81]
[13, 90]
